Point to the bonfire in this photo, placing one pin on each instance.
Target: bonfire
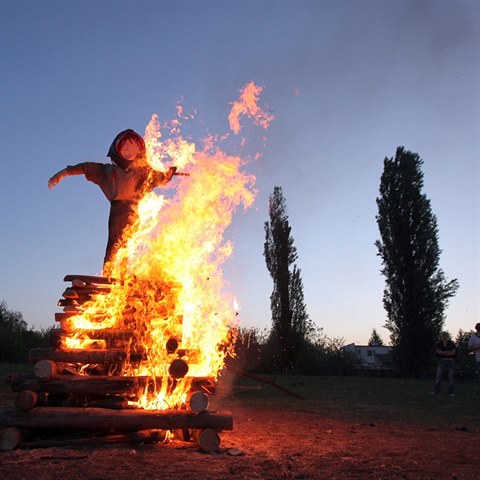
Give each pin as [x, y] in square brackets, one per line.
[140, 347]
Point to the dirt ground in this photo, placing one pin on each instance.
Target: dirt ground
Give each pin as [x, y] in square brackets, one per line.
[269, 444]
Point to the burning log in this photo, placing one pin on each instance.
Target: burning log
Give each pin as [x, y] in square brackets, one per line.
[61, 316]
[171, 345]
[89, 279]
[72, 294]
[81, 385]
[84, 356]
[83, 291]
[44, 369]
[114, 337]
[101, 333]
[118, 420]
[178, 368]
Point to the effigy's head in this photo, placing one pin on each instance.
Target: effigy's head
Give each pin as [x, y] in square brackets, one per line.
[127, 147]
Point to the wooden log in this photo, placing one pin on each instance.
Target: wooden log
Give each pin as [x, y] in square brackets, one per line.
[84, 293]
[84, 356]
[44, 369]
[91, 290]
[61, 316]
[178, 368]
[171, 345]
[26, 399]
[10, 438]
[142, 436]
[208, 440]
[119, 420]
[82, 385]
[198, 401]
[116, 403]
[109, 334]
[67, 302]
[89, 279]
[72, 308]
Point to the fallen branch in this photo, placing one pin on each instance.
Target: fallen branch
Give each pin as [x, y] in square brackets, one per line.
[269, 381]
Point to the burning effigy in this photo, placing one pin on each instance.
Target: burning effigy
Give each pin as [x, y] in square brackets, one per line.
[138, 349]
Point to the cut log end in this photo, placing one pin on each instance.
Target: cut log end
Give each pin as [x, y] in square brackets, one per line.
[26, 400]
[198, 401]
[208, 440]
[44, 369]
[178, 368]
[10, 438]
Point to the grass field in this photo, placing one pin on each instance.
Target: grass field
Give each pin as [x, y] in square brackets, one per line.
[355, 399]
[367, 399]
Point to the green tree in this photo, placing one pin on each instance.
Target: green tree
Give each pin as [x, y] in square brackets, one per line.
[375, 339]
[290, 321]
[12, 328]
[465, 362]
[16, 339]
[416, 293]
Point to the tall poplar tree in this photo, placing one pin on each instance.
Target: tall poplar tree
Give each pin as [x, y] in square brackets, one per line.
[290, 321]
[416, 293]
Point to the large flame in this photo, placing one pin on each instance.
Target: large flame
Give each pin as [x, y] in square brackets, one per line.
[169, 287]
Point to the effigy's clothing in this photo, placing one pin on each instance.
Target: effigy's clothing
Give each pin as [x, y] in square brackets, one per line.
[123, 189]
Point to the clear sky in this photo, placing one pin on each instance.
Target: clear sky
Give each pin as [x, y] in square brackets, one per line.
[347, 81]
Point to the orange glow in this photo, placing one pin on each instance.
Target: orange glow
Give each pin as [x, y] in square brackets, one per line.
[169, 284]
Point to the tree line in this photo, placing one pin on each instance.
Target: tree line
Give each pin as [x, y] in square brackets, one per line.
[16, 337]
[415, 298]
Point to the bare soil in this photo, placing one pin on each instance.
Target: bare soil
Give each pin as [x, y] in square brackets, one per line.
[269, 444]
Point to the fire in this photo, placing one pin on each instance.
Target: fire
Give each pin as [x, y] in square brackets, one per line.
[248, 105]
[169, 289]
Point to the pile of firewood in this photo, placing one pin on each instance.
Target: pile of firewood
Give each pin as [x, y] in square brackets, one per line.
[78, 396]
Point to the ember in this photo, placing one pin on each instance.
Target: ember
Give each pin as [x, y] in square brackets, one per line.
[152, 335]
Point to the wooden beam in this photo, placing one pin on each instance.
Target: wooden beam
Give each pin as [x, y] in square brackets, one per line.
[118, 420]
[84, 356]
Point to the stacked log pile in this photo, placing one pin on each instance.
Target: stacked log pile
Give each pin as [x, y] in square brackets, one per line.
[78, 396]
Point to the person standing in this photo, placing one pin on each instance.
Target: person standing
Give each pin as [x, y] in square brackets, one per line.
[474, 347]
[446, 353]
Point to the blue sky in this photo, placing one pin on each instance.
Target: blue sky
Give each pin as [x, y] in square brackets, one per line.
[347, 81]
